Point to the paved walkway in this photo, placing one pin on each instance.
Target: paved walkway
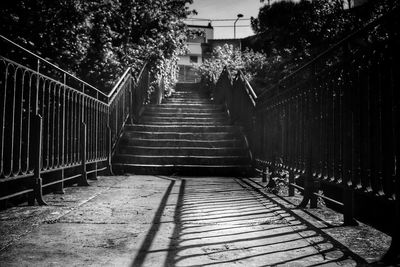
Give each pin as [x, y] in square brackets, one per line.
[167, 221]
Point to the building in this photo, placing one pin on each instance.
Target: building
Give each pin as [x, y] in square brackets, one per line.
[197, 47]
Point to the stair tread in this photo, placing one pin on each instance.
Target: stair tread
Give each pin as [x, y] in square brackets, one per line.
[186, 133]
[180, 156]
[170, 126]
[183, 148]
[185, 165]
[189, 140]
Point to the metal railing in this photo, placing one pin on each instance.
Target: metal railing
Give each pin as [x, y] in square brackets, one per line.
[334, 121]
[55, 127]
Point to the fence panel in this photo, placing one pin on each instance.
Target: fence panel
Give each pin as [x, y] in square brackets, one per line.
[53, 126]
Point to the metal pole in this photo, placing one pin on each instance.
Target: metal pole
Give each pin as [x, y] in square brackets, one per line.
[234, 25]
[234, 28]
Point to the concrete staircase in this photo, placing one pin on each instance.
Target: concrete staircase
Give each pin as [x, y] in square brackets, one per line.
[186, 135]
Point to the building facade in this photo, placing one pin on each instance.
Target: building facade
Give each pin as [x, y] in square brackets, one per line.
[197, 47]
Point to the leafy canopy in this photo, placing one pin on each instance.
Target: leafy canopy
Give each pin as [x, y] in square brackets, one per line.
[98, 39]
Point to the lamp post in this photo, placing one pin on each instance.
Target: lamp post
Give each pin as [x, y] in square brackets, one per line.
[234, 25]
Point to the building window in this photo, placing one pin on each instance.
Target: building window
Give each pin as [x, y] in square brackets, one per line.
[193, 59]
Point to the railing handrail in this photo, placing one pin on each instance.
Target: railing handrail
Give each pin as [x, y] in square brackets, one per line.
[109, 97]
[116, 86]
[335, 46]
[249, 89]
[52, 65]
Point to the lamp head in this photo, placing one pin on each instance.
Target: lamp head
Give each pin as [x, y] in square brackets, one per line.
[240, 15]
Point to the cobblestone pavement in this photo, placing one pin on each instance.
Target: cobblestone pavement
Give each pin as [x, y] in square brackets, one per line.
[178, 221]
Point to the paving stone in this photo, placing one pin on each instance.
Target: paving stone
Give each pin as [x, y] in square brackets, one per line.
[177, 221]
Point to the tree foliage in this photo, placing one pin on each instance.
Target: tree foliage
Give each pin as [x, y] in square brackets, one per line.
[251, 63]
[98, 39]
[292, 32]
[301, 28]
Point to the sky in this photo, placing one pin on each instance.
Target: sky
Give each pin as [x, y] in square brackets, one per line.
[226, 9]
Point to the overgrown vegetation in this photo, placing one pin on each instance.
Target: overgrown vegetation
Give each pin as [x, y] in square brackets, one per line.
[288, 34]
[97, 40]
[227, 56]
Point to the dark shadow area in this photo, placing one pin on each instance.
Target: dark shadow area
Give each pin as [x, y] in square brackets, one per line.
[140, 257]
[337, 244]
[257, 232]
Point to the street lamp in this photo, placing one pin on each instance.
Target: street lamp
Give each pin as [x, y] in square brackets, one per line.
[234, 25]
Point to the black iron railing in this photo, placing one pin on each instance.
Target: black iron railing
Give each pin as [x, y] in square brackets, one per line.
[334, 121]
[55, 127]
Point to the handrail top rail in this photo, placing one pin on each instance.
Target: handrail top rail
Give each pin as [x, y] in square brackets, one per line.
[340, 43]
[248, 85]
[52, 80]
[128, 70]
[52, 64]
[248, 88]
[110, 96]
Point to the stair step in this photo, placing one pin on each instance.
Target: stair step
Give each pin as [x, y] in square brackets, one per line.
[196, 106]
[182, 143]
[181, 135]
[182, 115]
[184, 111]
[187, 134]
[180, 160]
[183, 123]
[175, 101]
[168, 120]
[182, 151]
[183, 96]
[188, 97]
[189, 170]
[180, 128]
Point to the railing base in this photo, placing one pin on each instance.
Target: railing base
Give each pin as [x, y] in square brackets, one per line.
[38, 191]
[60, 186]
[83, 180]
[392, 256]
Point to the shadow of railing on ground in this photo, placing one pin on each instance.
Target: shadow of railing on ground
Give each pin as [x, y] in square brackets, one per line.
[215, 227]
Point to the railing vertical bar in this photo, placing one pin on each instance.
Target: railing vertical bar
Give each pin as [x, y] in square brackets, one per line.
[380, 161]
[347, 118]
[38, 182]
[20, 126]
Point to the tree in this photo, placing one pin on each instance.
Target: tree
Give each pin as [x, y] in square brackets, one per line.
[98, 39]
[300, 26]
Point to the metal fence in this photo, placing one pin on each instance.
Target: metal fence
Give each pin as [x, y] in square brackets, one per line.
[55, 127]
[334, 121]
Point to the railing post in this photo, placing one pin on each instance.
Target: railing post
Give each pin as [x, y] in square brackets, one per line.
[310, 183]
[38, 182]
[60, 185]
[347, 121]
[264, 174]
[83, 181]
[291, 181]
[392, 256]
[160, 90]
[272, 173]
[131, 102]
[309, 186]
[109, 151]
